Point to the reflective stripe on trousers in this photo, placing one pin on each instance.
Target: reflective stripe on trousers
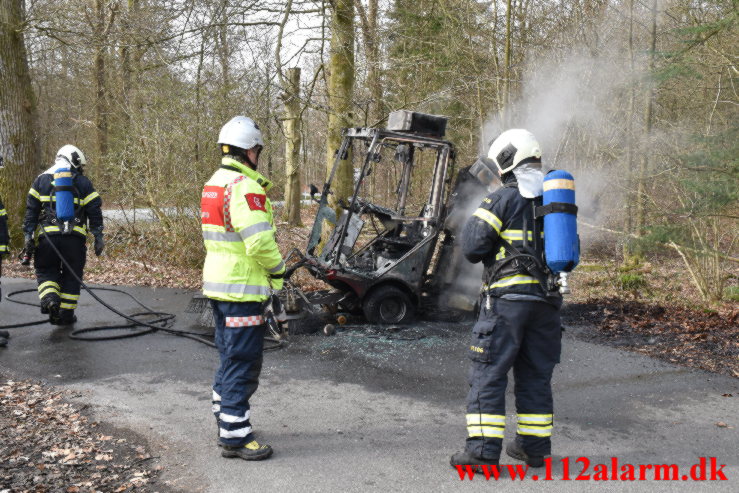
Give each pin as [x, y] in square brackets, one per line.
[538, 425]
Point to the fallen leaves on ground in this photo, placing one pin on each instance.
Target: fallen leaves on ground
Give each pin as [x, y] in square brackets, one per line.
[47, 444]
[705, 339]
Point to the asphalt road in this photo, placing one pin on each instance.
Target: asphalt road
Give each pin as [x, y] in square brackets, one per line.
[358, 413]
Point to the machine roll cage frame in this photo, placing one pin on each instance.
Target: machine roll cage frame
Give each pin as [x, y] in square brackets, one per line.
[410, 271]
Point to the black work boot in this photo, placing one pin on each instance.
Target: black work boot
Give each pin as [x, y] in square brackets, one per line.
[465, 458]
[50, 305]
[66, 317]
[250, 451]
[515, 450]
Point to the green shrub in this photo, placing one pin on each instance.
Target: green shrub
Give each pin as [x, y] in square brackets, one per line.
[631, 281]
[731, 293]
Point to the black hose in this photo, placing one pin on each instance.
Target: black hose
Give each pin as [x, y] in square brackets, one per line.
[148, 327]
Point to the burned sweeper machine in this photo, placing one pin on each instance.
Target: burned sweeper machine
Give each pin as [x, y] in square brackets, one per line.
[391, 253]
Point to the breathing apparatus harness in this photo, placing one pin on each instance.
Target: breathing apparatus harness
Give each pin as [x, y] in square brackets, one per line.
[530, 261]
[526, 262]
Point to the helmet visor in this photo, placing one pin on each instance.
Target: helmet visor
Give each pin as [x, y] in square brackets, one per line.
[485, 171]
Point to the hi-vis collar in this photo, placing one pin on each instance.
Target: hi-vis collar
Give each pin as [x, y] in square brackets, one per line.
[229, 163]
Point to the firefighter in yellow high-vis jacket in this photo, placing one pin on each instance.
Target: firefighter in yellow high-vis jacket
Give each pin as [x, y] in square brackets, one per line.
[242, 266]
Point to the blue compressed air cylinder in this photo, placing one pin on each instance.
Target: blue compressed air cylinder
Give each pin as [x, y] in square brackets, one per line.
[561, 243]
[64, 195]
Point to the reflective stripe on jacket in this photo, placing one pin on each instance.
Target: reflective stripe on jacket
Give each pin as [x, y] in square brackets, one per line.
[239, 235]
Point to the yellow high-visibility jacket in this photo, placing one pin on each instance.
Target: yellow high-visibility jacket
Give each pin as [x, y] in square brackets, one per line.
[239, 233]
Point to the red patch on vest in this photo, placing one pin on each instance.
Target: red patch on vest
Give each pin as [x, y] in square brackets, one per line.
[211, 206]
[256, 201]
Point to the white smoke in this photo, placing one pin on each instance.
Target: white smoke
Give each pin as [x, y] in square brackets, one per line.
[563, 99]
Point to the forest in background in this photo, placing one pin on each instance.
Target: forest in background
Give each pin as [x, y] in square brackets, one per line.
[636, 98]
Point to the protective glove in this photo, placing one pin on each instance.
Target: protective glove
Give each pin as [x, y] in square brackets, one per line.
[28, 249]
[99, 244]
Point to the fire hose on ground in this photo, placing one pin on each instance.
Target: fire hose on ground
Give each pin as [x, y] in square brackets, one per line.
[162, 321]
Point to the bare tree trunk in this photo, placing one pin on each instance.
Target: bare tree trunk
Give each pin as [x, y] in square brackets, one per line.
[127, 61]
[198, 98]
[641, 199]
[505, 113]
[101, 115]
[223, 53]
[629, 226]
[18, 144]
[374, 79]
[340, 92]
[291, 124]
[267, 126]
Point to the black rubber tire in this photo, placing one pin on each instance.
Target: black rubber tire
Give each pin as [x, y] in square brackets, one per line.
[388, 305]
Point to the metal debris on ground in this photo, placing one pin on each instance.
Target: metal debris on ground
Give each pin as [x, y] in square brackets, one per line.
[390, 333]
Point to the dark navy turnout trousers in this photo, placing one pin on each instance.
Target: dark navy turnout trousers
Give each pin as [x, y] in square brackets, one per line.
[524, 335]
[239, 334]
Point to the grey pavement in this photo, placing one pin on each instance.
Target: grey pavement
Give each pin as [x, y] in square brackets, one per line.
[355, 413]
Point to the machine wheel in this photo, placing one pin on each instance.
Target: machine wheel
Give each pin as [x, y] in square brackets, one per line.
[388, 305]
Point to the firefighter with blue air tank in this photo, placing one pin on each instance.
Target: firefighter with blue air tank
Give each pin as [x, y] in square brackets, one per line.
[518, 326]
[243, 267]
[61, 207]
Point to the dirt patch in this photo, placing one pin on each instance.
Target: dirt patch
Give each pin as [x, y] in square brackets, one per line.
[49, 444]
[705, 339]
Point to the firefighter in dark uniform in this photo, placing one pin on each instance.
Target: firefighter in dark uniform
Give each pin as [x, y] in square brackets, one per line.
[4, 250]
[4, 235]
[518, 325]
[58, 287]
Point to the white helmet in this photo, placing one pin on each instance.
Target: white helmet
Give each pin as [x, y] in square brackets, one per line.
[513, 148]
[241, 132]
[72, 155]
